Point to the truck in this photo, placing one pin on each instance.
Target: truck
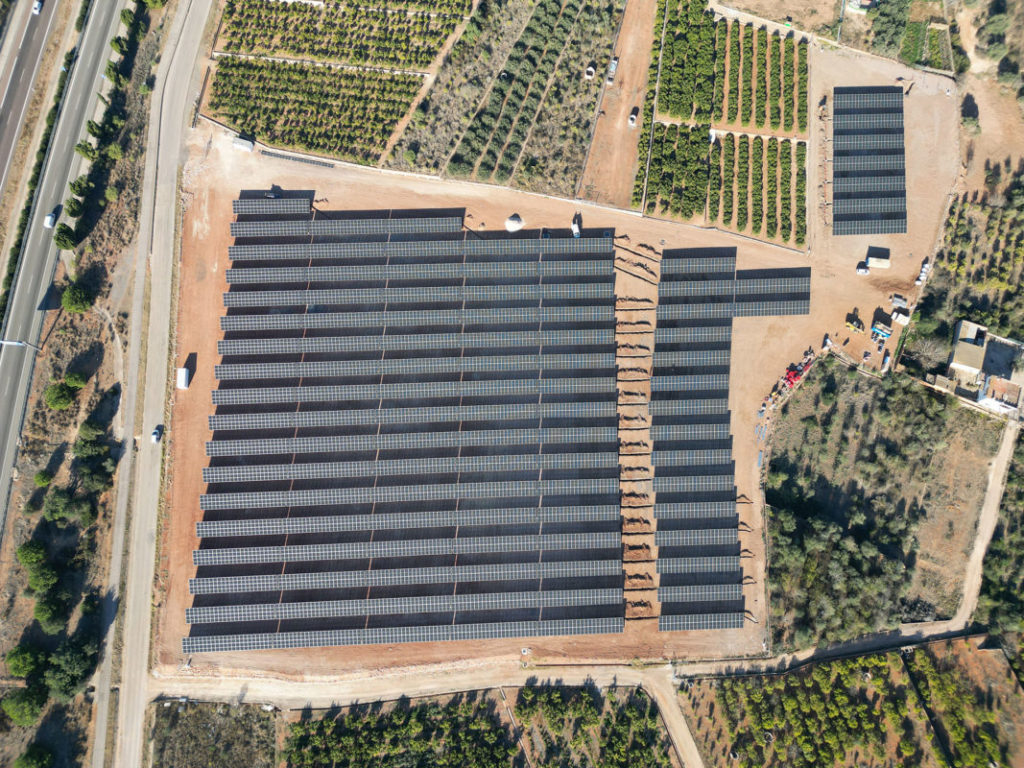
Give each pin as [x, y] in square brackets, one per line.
[614, 65]
[183, 377]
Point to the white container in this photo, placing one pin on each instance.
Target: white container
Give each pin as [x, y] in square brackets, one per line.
[183, 378]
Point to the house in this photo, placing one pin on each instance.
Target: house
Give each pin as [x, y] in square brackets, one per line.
[986, 368]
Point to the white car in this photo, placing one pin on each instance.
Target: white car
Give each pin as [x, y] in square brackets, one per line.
[633, 116]
[37, 7]
[50, 220]
[157, 433]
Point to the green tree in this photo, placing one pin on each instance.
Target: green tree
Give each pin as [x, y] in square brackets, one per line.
[24, 705]
[59, 396]
[74, 207]
[87, 150]
[42, 478]
[70, 666]
[64, 237]
[24, 659]
[36, 756]
[51, 612]
[76, 298]
[80, 186]
[76, 380]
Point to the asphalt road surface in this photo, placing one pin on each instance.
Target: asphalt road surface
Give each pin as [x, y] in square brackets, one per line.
[25, 39]
[31, 292]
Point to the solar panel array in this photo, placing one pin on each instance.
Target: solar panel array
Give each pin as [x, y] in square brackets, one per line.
[271, 206]
[695, 496]
[869, 194]
[415, 437]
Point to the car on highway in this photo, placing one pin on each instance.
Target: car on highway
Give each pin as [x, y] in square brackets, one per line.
[633, 116]
[50, 220]
[37, 7]
[157, 433]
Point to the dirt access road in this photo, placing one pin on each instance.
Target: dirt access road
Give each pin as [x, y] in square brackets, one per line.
[612, 161]
[658, 682]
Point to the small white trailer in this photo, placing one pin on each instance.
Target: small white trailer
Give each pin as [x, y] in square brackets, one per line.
[183, 378]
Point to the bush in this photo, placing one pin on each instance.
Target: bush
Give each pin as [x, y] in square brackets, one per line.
[36, 756]
[59, 396]
[87, 150]
[70, 667]
[24, 705]
[76, 298]
[74, 207]
[23, 660]
[76, 380]
[52, 613]
[42, 478]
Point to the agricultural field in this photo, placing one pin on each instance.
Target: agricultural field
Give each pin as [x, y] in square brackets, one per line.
[949, 703]
[391, 34]
[352, 72]
[310, 107]
[978, 269]
[531, 124]
[194, 735]
[874, 488]
[559, 726]
[716, 79]
[913, 31]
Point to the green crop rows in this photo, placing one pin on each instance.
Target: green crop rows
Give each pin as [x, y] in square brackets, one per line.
[728, 177]
[394, 37]
[756, 185]
[742, 181]
[800, 223]
[801, 90]
[772, 189]
[785, 190]
[679, 163]
[311, 107]
[735, 32]
[687, 61]
[715, 181]
[788, 65]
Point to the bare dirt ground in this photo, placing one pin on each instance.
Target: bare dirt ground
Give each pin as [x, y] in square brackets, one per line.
[612, 163]
[811, 15]
[762, 348]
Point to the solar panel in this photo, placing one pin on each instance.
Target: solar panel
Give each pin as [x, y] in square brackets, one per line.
[375, 636]
[726, 564]
[420, 271]
[711, 382]
[444, 293]
[869, 205]
[281, 526]
[492, 601]
[694, 510]
[279, 582]
[693, 483]
[684, 432]
[710, 311]
[691, 359]
[422, 249]
[352, 227]
[433, 466]
[415, 390]
[377, 343]
[689, 407]
[700, 593]
[397, 493]
[700, 621]
[870, 226]
[764, 308]
[698, 538]
[714, 334]
[406, 548]
[425, 365]
[264, 206]
[409, 441]
[438, 317]
[774, 285]
[697, 287]
[697, 265]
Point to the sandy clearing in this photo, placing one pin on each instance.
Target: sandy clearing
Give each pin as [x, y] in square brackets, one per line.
[612, 161]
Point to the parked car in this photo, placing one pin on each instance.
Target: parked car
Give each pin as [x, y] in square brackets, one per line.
[157, 433]
[633, 116]
[614, 65]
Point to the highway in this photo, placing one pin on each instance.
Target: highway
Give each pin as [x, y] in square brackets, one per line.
[26, 309]
[23, 52]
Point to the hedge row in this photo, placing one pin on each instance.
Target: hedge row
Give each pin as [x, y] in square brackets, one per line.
[678, 180]
[800, 223]
[772, 189]
[715, 180]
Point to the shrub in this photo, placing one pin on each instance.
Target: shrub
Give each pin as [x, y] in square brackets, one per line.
[42, 478]
[24, 705]
[76, 380]
[87, 150]
[52, 613]
[36, 756]
[74, 207]
[76, 298]
[70, 666]
[59, 396]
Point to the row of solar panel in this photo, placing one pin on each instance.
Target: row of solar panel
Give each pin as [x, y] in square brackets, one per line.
[699, 621]
[378, 343]
[415, 390]
[773, 307]
[376, 636]
[467, 247]
[349, 227]
[884, 121]
[271, 206]
[438, 318]
[417, 440]
[504, 270]
[395, 493]
[434, 465]
[281, 526]
[866, 98]
[421, 365]
[417, 548]
[869, 205]
[436, 294]
[415, 415]
[853, 163]
[870, 226]
[449, 574]
[493, 601]
[694, 510]
[692, 262]
[859, 143]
